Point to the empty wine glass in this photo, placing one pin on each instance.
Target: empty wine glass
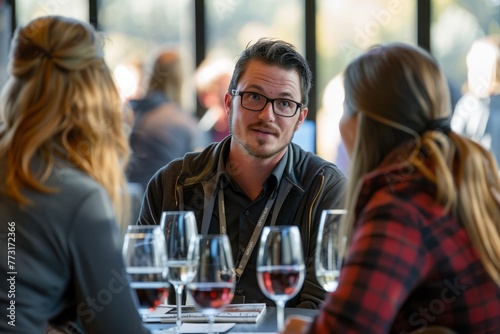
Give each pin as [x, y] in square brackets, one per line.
[280, 266]
[329, 249]
[212, 289]
[145, 259]
[179, 228]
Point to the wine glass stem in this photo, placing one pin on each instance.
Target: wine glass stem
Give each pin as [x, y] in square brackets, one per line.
[280, 312]
[178, 301]
[211, 320]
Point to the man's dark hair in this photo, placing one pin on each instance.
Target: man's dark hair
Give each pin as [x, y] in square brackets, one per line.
[279, 53]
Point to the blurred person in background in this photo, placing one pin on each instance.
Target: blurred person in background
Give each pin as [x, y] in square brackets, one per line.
[477, 114]
[63, 150]
[329, 142]
[161, 129]
[423, 221]
[128, 76]
[212, 82]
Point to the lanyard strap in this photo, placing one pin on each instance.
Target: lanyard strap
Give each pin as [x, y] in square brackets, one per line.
[240, 266]
[209, 207]
[278, 196]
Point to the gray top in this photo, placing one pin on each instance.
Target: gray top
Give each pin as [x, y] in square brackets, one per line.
[66, 260]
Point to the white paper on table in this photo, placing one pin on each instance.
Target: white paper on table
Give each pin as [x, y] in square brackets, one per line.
[159, 311]
[203, 328]
[234, 313]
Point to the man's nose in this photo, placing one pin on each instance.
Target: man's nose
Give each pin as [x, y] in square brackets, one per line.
[268, 112]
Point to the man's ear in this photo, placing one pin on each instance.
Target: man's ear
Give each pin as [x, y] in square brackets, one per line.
[228, 98]
[302, 118]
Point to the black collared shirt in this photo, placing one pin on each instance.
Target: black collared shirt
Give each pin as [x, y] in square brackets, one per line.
[242, 215]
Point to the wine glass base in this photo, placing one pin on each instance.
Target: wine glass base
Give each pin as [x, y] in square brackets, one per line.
[166, 330]
[144, 313]
[174, 329]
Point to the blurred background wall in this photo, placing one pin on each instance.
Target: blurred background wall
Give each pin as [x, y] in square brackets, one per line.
[328, 32]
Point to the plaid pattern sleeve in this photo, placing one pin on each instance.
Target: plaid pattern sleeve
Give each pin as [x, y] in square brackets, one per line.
[410, 265]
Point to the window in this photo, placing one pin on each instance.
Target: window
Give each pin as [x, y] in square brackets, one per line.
[345, 29]
[455, 25]
[231, 25]
[136, 30]
[26, 10]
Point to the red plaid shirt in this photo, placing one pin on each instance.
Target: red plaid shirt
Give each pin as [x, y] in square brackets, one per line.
[409, 266]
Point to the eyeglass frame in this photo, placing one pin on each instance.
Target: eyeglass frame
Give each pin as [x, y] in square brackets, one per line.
[240, 93]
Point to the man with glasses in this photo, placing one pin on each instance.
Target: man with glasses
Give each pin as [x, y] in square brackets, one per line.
[256, 174]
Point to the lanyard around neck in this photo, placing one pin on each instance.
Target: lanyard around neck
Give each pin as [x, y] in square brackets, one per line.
[240, 266]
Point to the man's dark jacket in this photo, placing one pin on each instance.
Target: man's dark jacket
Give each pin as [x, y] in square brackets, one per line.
[316, 185]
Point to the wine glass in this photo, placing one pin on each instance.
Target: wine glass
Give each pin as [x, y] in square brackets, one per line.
[146, 263]
[280, 266]
[179, 228]
[212, 289]
[329, 249]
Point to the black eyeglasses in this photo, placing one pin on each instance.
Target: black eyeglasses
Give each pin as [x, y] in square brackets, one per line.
[257, 102]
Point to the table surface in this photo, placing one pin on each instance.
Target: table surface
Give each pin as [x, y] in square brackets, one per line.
[266, 324]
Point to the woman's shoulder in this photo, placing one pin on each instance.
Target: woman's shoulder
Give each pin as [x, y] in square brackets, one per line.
[399, 185]
[73, 179]
[306, 163]
[73, 189]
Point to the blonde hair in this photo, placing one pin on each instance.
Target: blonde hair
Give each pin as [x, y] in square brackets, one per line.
[398, 90]
[61, 103]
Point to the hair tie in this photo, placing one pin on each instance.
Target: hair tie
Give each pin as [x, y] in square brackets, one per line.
[45, 53]
[439, 124]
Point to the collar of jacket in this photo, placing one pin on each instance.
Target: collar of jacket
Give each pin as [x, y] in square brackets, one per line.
[201, 167]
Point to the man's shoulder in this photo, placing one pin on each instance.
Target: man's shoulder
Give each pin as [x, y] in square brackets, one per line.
[307, 163]
[307, 158]
[194, 163]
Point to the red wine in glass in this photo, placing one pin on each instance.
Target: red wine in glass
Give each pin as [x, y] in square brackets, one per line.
[280, 266]
[212, 289]
[144, 254]
[280, 280]
[150, 294]
[212, 295]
